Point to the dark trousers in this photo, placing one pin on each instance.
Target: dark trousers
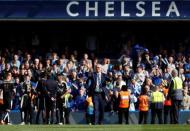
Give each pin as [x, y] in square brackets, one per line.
[50, 111]
[66, 115]
[59, 111]
[41, 110]
[99, 108]
[167, 114]
[1, 115]
[125, 112]
[38, 115]
[90, 118]
[27, 115]
[158, 113]
[175, 111]
[59, 115]
[27, 109]
[143, 115]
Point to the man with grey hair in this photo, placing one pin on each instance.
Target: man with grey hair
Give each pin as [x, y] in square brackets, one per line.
[97, 86]
[176, 95]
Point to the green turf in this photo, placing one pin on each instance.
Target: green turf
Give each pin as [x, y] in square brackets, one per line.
[95, 128]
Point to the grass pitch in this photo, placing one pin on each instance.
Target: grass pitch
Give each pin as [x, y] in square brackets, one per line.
[95, 128]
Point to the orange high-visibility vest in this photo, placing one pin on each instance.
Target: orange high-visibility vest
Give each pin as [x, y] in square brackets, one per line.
[167, 102]
[143, 103]
[124, 101]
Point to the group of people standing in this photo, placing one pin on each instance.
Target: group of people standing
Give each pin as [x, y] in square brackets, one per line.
[163, 100]
[47, 97]
[53, 85]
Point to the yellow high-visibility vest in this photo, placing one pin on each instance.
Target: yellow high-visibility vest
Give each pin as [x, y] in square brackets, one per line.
[178, 84]
[157, 97]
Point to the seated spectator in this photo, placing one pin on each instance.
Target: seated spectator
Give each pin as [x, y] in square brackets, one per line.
[171, 62]
[15, 71]
[139, 76]
[73, 59]
[135, 87]
[187, 68]
[15, 61]
[127, 72]
[156, 79]
[109, 95]
[187, 84]
[105, 66]
[133, 100]
[147, 61]
[2, 64]
[181, 74]
[186, 100]
[119, 81]
[87, 60]
[148, 82]
[167, 74]
[6, 70]
[54, 58]
[145, 72]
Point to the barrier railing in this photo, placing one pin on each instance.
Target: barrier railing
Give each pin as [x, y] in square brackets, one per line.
[109, 118]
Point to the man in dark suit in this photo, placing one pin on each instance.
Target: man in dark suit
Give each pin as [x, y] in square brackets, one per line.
[51, 89]
[41, 90]
[97, 86]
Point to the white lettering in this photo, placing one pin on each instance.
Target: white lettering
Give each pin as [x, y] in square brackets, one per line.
[123, 13]
[140, 8]
[172, 8]
[88, 9]
[155, 8]
[69, 9]
[109, 8]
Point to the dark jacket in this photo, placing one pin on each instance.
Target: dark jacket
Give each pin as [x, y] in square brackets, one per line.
[94, 80]
[51, 87]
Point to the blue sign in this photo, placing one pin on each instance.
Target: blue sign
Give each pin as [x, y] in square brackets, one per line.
[95, 9]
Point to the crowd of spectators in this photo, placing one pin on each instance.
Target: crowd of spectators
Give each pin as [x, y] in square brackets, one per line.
[137, 67]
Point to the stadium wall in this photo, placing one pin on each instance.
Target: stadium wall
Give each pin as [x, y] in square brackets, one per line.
[79, 117]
